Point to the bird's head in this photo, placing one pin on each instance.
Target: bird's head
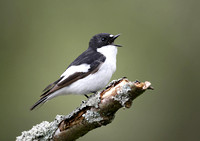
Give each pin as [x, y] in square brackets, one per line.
[103, 39]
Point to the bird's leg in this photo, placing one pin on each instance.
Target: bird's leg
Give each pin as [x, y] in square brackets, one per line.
[91, 92]
[86, 95]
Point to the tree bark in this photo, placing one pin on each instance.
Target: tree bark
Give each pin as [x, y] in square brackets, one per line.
[97, 111]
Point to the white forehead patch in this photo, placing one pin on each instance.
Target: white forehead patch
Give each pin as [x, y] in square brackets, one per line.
[111, 35]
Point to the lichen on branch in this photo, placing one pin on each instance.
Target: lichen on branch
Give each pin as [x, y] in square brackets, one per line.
[98, 110]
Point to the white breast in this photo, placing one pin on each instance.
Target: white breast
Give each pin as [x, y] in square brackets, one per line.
[110, 52]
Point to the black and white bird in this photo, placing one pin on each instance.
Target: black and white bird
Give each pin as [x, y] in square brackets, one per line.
[89, 72]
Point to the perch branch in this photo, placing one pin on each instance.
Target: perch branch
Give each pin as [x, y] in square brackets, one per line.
[97, 111]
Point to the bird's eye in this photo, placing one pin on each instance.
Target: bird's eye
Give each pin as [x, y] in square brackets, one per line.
[103, 39]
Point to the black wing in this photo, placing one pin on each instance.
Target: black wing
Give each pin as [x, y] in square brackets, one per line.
[95, 60]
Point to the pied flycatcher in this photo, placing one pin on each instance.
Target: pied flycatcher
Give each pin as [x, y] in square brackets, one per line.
[88, 73]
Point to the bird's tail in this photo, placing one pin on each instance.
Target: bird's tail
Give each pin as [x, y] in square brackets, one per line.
[41, 101]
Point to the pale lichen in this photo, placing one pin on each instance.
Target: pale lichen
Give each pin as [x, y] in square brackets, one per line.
[94, 100]
[122, 95]
[92, 116]
[43, 131]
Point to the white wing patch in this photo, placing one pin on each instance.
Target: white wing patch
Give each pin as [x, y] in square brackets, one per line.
[73, 69]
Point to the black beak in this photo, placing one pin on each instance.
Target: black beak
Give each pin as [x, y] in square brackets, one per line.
[113, 39]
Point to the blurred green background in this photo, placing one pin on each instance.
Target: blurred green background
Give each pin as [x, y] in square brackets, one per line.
[160, 38]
